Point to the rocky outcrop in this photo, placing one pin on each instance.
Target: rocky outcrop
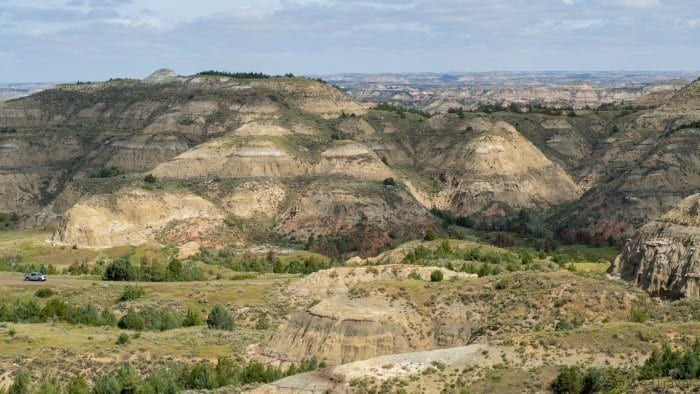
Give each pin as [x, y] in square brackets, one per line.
[664, 258]
[347, 326]
[132, 217]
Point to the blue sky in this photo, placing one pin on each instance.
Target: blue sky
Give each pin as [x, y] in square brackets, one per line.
[68, 40]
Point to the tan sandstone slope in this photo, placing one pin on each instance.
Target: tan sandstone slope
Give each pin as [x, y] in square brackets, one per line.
[664, 257]
[495, 170]
[134, 217]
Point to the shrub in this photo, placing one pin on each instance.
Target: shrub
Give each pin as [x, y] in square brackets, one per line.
[128, 377]
[44, 293]
[502, 284]
[430, 235]
[120, 269]
[639, 314]
[123, 339]
[149, 178]
[389, 182]
[263, 322]
[107, 318]
[164, 380]
[414, 275]
[21, 385]
[107, 384]
[192, 318]
[77, 385]
[569, 381]
[220, 319]
[169, 319]
[131, 320]
[132, 292]
[202, 376]
[563, 325]
[436, 276]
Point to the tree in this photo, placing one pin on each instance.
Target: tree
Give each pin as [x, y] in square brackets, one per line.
[220, 319]
[120, 269]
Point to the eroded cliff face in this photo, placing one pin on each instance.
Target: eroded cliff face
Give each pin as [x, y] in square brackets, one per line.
[369, 311]
[349, 326]
[134, 217]
[664, 257]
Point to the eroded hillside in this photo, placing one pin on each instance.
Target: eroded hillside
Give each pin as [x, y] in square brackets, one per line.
[269, 159]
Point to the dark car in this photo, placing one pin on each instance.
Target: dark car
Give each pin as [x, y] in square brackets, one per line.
[35, 276]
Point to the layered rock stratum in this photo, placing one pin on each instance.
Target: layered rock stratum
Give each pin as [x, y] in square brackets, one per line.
[297, 159]
[664, 258]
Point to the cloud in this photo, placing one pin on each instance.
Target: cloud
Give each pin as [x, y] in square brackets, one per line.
[638, 4]
[394, 27]
[149, 22]
[126, 37]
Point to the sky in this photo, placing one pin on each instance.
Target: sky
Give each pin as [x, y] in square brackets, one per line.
[90, 40]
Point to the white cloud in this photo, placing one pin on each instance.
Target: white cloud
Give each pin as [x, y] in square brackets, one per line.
[638, 4]
[394, 27]
[147, 21]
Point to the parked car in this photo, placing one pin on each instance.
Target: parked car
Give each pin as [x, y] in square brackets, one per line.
[35, 276]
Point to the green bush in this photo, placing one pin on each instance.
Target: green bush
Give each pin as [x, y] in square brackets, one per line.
[132, 320]
[49, 386]
[170, 319]
[569, 381]
[389, 182]
[132, 292]
[263, 322]
[128, 378]
[149, 178]
[430, 235]
[107, 384]
[120, 269]
[77, 385]
[44, 293]
[563, 325]
[414, 275]
[639, 314]
[202, 377]
[21, 384]
[192, 318]
[436, 276]
[220, 319]
[677, 364]
[123, 339]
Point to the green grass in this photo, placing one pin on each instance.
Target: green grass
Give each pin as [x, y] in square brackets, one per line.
[590, 253]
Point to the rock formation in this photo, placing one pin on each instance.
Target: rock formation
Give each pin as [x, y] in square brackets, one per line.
[664, 258]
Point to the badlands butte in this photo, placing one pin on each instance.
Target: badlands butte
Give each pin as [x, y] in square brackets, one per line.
[462, 250]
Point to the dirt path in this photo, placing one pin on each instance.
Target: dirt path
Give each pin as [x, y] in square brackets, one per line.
[18, 280]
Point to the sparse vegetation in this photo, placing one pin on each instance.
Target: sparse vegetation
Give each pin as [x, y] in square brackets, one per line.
[238, 75]
[110, 172]
[132, 292]
[401, 110]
